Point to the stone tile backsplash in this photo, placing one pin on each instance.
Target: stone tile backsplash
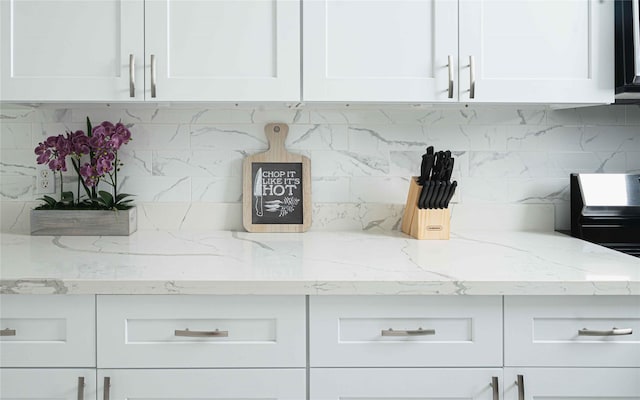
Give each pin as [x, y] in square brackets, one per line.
[185, 164]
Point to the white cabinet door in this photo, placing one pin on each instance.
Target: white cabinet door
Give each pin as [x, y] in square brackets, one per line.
[39, 384]
[402, 383]
[379, 50]
[405, 331]
[47, 331]
[183, 384]
[223, 50]
[549, 51]
[71, 50]
[572, 331]
[573, 383]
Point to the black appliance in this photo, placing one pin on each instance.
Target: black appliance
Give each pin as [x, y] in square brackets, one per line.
[605, 209]
[627, 50]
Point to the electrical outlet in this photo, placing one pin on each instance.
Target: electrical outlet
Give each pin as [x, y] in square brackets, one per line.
[45, 180]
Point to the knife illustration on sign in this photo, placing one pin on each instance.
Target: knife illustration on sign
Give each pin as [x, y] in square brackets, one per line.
[257, 192]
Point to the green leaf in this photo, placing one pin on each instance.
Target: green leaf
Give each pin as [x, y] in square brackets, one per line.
[122, 196]
[50, 202]
[106, 197]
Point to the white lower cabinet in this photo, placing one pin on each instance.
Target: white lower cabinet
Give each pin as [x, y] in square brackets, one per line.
[48, 383]
[182, 384]
[572, 383]
[405, 383]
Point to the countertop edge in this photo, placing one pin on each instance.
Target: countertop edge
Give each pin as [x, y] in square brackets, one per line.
[314, 288]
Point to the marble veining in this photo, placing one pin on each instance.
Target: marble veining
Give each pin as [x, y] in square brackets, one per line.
[185, 160]
[380, 262]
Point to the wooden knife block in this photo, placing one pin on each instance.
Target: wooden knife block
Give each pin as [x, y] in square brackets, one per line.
[430, 224]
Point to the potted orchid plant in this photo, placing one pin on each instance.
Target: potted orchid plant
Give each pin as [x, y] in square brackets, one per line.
[94, 158]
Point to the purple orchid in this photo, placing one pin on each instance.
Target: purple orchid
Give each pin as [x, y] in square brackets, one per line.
[102, 148]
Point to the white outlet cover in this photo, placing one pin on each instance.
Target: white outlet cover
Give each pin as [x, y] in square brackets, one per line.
[45, 180]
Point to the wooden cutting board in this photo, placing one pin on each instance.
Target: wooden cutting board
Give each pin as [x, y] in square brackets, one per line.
[276, 187]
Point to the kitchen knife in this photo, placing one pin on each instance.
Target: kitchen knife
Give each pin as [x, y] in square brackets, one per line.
[437, 185]
[425, 168]
[449, 170]
[430, 193]
[438, 197]
[257, 192]
[452, 190]
[437, 165]
[423, 194]
[443, 196]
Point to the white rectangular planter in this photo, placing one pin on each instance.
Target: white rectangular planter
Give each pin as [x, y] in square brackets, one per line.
[83, 222]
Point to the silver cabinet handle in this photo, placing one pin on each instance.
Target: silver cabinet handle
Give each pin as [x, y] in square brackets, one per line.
[450, 67]
[107, 388]
[8, 332]
[81, 388]
[496, 388]
[472, 78]
[132, 78]
[520, 383]
[188, 333]
[415, 332]
[153, 75]
[612, 332]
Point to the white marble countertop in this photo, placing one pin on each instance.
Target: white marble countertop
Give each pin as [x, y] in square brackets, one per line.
[224, 262]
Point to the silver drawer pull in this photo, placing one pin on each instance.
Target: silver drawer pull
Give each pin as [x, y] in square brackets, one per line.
[132, 77]
[153, 75]
[520, 384]
[8, 332]
[81, 388]
[188, 333]
[496, 388]
[106, 390]
[472, 78]
[450, 71]
[612, 332]
[415, 332]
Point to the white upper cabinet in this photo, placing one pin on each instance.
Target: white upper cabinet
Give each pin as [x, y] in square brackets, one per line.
[379, 50]
[222, 50]
[159, 50]
[69, 50]
[533, 51]
[412, 51]
[508, 51]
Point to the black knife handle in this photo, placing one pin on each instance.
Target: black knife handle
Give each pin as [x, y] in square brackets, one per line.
[423, 194]
[452, 190]
[449, 170]
[438, 198]
[428, 201]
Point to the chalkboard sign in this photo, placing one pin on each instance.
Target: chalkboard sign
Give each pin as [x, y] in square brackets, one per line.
[276, 187]
[277, 193]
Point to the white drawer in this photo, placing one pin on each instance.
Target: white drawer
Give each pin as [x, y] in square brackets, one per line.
[404, 383]
[546, 331]
[177, 384]
[353, 331]
[156, 331]
[47, 331]
[39, 384]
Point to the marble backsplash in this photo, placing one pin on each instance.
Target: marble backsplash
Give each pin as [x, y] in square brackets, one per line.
[184, 164]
